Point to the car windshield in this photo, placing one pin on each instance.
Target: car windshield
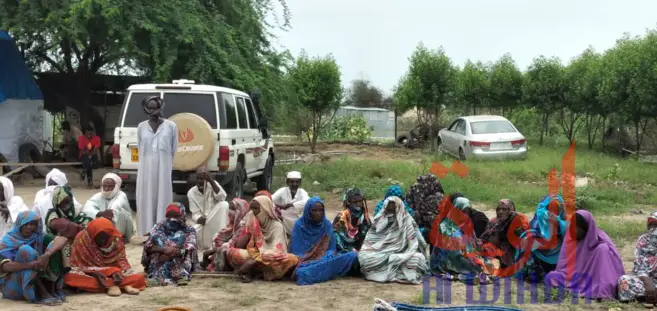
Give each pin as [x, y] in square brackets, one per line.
[492, 127]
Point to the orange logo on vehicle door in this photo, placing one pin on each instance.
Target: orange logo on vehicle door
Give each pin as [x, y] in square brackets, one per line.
[186, 136]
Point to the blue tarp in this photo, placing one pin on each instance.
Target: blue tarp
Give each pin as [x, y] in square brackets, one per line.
[16, 80]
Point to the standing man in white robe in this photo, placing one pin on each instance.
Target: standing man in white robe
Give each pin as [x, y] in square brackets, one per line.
[55, 178]
[10, 205]
[157, 140]
[290, 201]
[207, 202]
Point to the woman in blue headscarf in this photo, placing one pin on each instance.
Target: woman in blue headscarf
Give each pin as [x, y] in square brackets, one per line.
[541, 244]
[314, 242]
[31, 263]
[394, 191]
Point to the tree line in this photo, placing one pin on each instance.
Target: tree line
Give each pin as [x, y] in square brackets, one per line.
[594, 91]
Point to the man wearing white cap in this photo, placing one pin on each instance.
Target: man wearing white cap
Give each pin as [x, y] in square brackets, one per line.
[290, 201]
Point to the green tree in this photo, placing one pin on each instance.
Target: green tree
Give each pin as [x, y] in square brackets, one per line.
[473, 89]
[628, 81]
[317, 86]
[363, 94]
[583, 79]
[544, 89]
[428, 85]
[505, 85]
[214, 42]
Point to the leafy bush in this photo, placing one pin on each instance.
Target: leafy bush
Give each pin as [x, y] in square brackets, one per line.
[351, 128]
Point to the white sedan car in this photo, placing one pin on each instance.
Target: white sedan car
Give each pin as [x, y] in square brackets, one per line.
[485, 137]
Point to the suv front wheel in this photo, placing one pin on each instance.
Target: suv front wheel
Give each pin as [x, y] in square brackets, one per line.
[235, 189]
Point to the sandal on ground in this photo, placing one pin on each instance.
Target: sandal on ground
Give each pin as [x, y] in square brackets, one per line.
[114, 291]
[648, 305]
[131, 290]
[182, 283]
[52, 301]
[243, 278]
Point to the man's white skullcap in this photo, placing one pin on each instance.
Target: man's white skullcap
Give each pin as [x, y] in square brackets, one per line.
[293, 175]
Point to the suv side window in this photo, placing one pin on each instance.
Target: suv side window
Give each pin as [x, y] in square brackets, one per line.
[253, 118]
[230, 112]
[241, 113]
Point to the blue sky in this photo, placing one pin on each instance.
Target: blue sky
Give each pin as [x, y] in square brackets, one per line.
[373, 39]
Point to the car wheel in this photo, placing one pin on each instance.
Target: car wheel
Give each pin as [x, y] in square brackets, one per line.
[235, 188]
[264, 181]
[461, 154]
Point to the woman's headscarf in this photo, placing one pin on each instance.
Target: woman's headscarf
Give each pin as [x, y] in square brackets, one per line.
[391, 234]
[57, 176]
[13, 240]
[394, 191]
[549, 211]
[262, 227]
[424, 196]
[8, 188]
[603, 266]
[462, 203]
[355, 215]
[645, 253]
[117, 185]
[235, 224]
[263, 193]
[307, 233]
[85, 253]
[59, 194]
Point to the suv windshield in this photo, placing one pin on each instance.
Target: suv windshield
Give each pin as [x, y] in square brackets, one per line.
[201, 104]
[492, 127]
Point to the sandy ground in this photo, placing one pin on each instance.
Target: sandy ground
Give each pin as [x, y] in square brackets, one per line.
[225, 294]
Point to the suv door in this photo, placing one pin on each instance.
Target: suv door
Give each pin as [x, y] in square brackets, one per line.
[259, 155]
[246, 137]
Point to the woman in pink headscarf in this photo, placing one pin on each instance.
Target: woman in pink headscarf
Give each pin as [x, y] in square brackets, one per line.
[597, 264]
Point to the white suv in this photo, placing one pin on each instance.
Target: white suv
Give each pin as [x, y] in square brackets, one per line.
[244, 148]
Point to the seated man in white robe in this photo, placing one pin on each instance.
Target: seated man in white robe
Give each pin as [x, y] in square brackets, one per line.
[290, 201]
[113, 204]
[207, 202]
[54, 179]
[10, 205]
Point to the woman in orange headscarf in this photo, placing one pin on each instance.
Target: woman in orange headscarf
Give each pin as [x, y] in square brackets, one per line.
[99, 262]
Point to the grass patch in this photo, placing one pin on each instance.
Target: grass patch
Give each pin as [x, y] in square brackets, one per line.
[627, 230]
[247, 300]
[616, 184]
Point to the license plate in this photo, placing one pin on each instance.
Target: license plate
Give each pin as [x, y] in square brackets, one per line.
[500, 146]
[134, 154]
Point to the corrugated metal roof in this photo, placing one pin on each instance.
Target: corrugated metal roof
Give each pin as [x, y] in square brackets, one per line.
[16, 80]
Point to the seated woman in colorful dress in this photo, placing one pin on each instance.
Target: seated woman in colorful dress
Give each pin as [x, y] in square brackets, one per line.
[10, 205]
[313, 242]
[503, 233]
[30, 262]
[266, 249]
[423, 197]
[113, 204]
[597, 264]
[541, 244]
[351, 224]
[456, 253]
[215, 258]
[394, 191]
[65, 219]
[394, 250]
[641, 283]
[169, 255]
[99, 262]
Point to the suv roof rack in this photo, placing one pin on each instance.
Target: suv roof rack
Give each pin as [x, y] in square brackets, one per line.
[183, 81]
